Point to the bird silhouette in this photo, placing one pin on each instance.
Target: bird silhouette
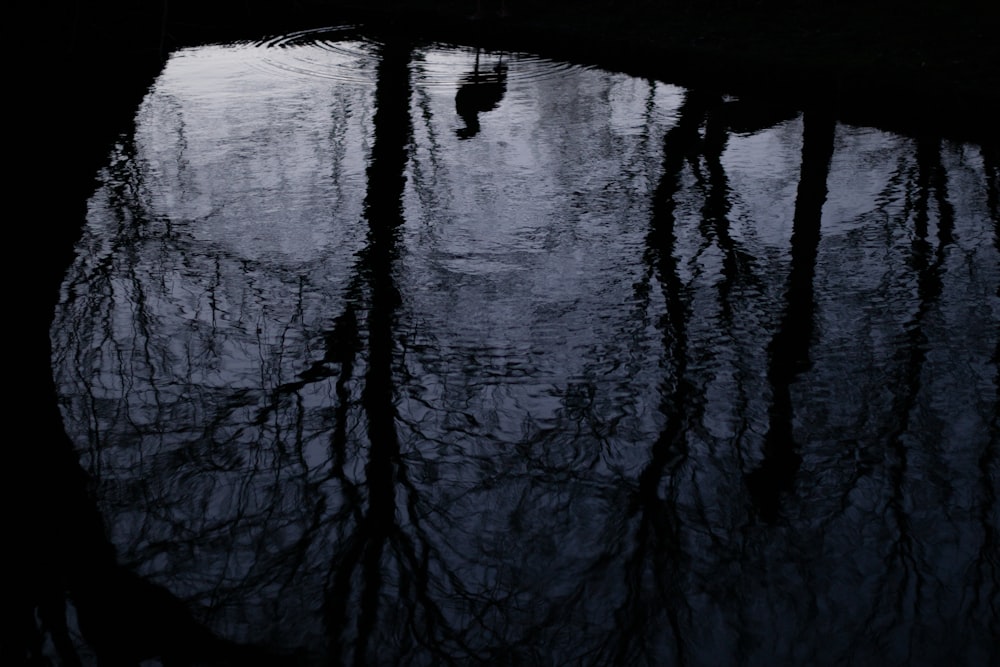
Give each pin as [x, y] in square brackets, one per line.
[479, 92]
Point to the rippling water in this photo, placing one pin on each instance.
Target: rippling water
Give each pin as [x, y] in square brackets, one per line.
[619, 372]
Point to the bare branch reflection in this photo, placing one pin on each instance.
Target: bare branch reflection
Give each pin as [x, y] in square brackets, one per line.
[361, 392]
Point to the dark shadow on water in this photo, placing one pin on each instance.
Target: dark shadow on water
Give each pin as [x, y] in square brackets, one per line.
[480, 91]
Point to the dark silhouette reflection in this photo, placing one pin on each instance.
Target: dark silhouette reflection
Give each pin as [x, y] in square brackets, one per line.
[360, 565]
[788, 352]
[681, 143]
[515, 429]
[738, 263]
[479, 92]
[657, 546]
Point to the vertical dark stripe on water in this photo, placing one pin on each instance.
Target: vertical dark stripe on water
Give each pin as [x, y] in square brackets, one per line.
[383, 210]
[656, 537]
[788, 352]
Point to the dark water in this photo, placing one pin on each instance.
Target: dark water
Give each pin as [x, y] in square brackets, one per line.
[418, 355]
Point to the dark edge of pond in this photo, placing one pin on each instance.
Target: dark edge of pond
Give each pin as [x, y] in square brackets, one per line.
[914, 67]
[931, 73]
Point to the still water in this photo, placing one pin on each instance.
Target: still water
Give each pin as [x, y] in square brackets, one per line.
[429, 355]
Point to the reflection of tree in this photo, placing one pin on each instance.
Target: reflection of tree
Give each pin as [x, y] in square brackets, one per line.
[737, 282]
[788, 352]
[376, 527]
[659, 569]
[403, 455]
[737, 263]
[169, 348]
[121, 617]
[905, 578]
[657, 539]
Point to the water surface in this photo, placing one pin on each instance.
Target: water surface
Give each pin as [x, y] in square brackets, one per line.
[429, 355]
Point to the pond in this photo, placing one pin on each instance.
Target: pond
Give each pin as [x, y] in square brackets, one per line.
[426, 354]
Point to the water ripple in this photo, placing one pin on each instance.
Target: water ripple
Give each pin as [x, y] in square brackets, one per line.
[344, 54]
[441, 65]
[338, 54]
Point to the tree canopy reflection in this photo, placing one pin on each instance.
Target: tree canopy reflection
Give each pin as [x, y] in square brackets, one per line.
[370, 392]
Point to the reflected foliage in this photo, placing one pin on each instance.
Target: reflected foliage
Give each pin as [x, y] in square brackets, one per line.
[639, 376]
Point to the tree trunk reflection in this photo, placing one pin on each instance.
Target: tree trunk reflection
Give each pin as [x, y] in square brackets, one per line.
[788, 352]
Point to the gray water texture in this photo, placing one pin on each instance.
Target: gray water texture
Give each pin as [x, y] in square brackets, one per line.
[591, 342]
